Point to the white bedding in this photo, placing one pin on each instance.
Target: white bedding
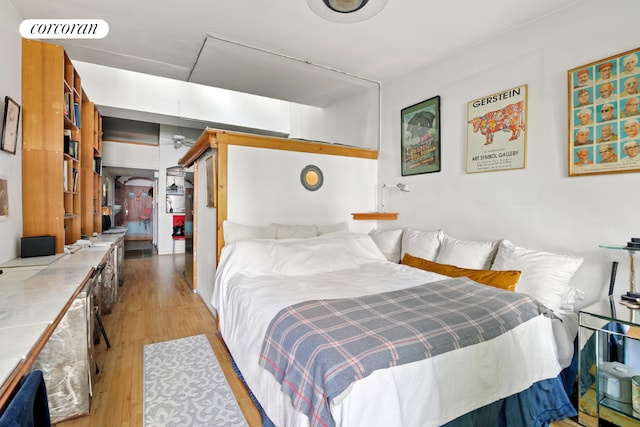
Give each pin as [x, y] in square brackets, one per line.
[257, 278]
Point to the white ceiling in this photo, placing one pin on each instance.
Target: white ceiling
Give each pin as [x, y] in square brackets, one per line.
[267, 47]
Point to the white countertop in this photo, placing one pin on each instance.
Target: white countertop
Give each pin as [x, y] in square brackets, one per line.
[34, 292]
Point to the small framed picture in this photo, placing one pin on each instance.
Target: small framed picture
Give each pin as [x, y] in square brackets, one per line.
[10, 125]
[420, 139]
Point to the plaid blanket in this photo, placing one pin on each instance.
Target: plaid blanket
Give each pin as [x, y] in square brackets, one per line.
[316, 349]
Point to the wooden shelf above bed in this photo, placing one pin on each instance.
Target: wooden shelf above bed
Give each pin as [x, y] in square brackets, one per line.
[370, 216]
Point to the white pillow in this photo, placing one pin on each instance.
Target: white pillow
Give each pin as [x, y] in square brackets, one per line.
[421, 244]
[466, 253]
[320, 254]
[332, 228]
[295, 231]
[233, 232]
[389, 242]
[545, 275]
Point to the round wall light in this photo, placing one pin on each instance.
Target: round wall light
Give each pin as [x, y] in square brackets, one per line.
[311, 177]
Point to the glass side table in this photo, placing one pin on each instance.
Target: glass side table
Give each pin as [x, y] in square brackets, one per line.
[632, 269]
[609, 357]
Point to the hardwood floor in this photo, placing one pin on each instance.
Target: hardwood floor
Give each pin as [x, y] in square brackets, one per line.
[155, 305]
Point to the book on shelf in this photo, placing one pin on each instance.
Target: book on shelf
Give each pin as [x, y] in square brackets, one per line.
[75, 180]
[65, 175]
[71, 148]
[97, 165]
[76, 114]
[67, 104]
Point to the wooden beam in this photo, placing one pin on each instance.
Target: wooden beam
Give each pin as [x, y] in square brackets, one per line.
[210, 138]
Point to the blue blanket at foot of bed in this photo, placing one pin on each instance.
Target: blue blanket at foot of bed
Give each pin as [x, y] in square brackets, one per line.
[537, 406]
[266, 422]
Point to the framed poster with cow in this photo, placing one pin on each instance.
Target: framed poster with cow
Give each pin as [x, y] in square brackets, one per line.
[604, 118]
[420, 139]
[497, 131]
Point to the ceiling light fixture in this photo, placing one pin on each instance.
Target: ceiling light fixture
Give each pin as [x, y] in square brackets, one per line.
[345, 6]
[346, 11]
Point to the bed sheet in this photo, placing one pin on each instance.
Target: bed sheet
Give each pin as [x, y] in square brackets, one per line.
[248, 299]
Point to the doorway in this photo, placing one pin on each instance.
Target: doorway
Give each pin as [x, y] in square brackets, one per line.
[136, 198]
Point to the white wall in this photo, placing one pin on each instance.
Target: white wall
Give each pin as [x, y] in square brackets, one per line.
[135, 156]
[353, 120]
[11, 165]
[539, 207]
[264, 187]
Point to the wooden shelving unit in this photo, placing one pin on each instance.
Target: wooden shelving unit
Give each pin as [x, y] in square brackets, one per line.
[91, 178]
[52, 185]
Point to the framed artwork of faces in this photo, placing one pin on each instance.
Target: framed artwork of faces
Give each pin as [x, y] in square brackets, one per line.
[604, 115]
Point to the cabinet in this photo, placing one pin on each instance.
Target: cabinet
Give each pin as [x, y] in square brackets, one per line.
[52, 139]
[68, 360]
[609, 358]
[109, 283]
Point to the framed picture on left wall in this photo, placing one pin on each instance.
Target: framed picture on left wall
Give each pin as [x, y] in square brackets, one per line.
[420, 139]
[10, 125]
[4, 198]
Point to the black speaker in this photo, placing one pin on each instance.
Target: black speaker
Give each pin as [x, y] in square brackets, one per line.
[37, 246]
[106, 222]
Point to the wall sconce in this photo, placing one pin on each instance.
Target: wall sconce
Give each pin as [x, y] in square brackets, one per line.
[400, 186]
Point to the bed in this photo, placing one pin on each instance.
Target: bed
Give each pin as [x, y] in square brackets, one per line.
[511, 375]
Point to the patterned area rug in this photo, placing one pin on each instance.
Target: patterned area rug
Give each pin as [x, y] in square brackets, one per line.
[184, 386]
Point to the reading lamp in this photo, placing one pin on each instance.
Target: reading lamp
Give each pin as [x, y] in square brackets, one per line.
[346, 10]
[400, 186]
